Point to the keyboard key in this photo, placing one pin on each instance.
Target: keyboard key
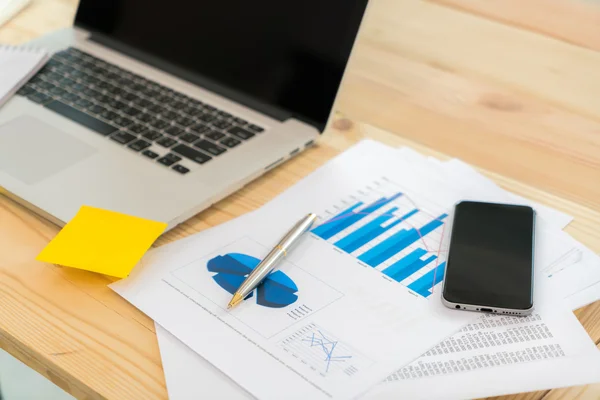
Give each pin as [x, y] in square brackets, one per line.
[145, 117]
[139, 145]
[150, 92]
[200, 129]
[168, 114]
[159, 123]
[45, 85]
[66, 82]
[224, 114]
[174, 131]
[122, 121]
[240, 133]
[53, 76]
[184, 121]
[230, 142]
[156, 108]
[71, 97]
[109, 115]
[131, 111]
[25, 91]
[112, 76]
[190, 153]
[169, 159]
[189, 137]
[240, 121]
[222, 124]
[104, 85]
[116, 91]
[57, 92]
[129, 96]
[39, 98]
[181, 169]
[119, 105]
[208, 107]
[123, 137]
[152, 135]
[137, 128]
[177, 105]
[143, 103]
[77, 74]
[150, 154]
[83, 103]
[94, 94]
[166, 142]
[255, 128]
[97, 109]
[137, 86]
[195, 103]
[214, 135]
[206, 117]
[163, 99]
[191, 110]
[82, 118]
[209, 147]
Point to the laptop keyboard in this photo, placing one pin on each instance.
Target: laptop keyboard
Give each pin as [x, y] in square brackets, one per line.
[161, 124]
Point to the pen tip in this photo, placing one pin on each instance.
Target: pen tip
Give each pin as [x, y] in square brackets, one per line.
[237, 299]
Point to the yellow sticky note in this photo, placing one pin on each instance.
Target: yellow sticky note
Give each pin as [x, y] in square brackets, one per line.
[102, 241]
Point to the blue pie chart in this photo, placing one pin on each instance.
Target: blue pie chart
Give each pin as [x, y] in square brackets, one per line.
[277, 291]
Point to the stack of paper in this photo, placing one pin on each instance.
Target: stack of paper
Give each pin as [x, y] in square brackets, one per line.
[356, 309]
[18, 65]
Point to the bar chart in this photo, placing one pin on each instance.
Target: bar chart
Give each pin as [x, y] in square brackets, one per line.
[385, 229]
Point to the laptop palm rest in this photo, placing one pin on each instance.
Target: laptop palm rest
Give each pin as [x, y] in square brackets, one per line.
[31, 150]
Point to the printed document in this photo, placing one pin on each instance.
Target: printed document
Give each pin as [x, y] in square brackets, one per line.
[317, 328]
[562, 261]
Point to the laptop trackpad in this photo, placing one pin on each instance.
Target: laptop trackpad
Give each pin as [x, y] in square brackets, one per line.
[31, 150]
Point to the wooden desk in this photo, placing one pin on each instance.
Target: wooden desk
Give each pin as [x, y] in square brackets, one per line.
[512, 88]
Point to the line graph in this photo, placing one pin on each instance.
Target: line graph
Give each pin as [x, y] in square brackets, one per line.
[319, 340]
[323, 353]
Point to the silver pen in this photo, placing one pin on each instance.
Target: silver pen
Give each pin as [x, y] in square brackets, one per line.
[270, 261]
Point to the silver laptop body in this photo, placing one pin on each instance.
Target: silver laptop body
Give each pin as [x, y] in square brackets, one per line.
[53, 162]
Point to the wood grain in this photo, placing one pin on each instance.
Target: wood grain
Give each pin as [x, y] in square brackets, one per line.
[575, 22]
[514, 100]
[550, 69]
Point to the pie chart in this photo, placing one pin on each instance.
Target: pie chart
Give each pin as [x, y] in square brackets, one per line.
[277, 291]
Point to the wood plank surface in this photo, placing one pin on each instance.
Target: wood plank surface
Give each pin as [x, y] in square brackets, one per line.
[572, 21]
[448, 79]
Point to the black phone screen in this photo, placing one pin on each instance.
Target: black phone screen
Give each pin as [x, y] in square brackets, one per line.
[490, 262]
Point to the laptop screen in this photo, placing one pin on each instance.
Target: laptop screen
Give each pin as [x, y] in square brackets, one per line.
[268, 54]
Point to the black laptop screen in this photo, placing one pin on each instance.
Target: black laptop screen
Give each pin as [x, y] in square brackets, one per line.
[287, 55]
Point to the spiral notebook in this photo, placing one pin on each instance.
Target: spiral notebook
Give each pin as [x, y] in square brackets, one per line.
[18, 65]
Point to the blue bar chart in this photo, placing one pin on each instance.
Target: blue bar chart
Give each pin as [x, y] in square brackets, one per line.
[390, 234]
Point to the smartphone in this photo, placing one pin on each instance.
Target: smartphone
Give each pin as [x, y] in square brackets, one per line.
[490, 261]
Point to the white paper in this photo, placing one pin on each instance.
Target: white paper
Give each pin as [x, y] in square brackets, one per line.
[18, 64]
[191, 377]
[575, 271]
[586, 296]
[361, 324]
[354, 306]
[500, 355]
[172, 358]
[489, 337]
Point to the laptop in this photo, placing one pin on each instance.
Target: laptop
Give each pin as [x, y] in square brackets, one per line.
[160, 109]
